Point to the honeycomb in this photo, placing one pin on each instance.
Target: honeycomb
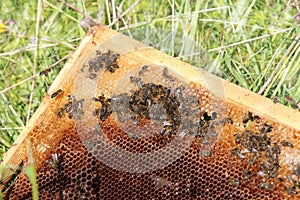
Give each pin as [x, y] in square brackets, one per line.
[127, 128]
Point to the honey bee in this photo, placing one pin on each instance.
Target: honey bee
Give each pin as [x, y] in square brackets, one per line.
[297, 171]
[133, 136]
[110, 61]
[92, 75]
[205, 153]
[96, 112]
[251, 162]
[45, 72]
[287, 144]
[166, 74]
[237, 138]
[276, 149]
[228, 120]
[280, 180]
[234, 182]
[267, 127]
[115, 56]
[79, 105]
[54, 162]
[92, 63]
[60, 112]
[100, 99]
[144, 69]
[83, 67]
[275, 100]
[110, 69]
[291, 190]
[98, 53]
[97, 129]
[106, 108]
[161, 181]
[98, 66]
[274, 173]
[248, 117]
[214, 115]
[269, 186]
[55, 94]
[132, 79]
[68, 107]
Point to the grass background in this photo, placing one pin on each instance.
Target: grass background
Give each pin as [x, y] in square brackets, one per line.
[254, 44]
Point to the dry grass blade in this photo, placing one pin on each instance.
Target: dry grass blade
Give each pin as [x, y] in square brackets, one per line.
[124, 13]
[34, 76]
[269, 80]
[249, 40]
[37, 28]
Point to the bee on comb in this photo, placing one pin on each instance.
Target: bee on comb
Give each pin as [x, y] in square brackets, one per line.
[55, 94]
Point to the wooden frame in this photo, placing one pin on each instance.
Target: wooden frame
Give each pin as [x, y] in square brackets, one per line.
[235, 95]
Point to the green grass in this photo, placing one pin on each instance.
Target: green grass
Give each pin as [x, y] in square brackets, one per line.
[30, 171]
[251, 43]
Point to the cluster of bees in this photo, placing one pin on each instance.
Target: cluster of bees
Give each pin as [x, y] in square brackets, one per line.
[73, 108]
[106, 108]
[151, 101]
[103, 60]
[292, 181]
[182, 110]
[260, 150]
[206, 122]
[166, 106]
[159, 100]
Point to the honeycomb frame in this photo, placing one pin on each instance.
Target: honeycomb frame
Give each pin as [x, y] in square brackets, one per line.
[255, 155]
